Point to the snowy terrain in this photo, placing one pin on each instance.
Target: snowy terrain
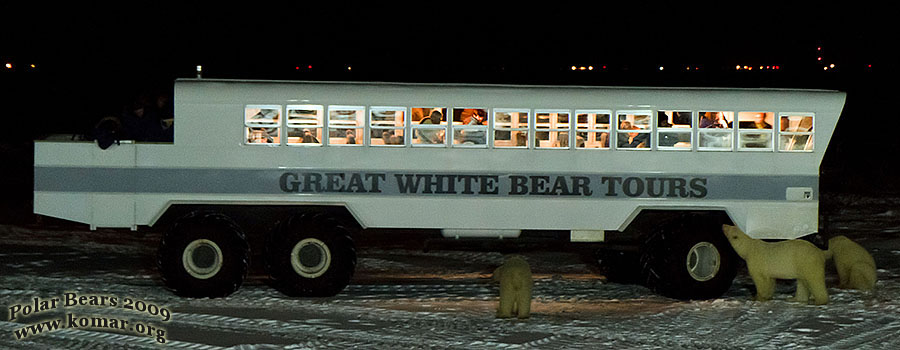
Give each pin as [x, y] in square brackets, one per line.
[403, 297]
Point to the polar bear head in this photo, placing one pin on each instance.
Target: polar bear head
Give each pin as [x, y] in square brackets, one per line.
[738, 239]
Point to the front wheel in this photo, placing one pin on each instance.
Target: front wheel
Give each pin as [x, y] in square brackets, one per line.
[310, 255]
[688, 258]
[204, 255]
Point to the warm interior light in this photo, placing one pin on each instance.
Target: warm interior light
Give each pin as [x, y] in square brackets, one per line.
[574, 68]
[9, 66]
[832, 65]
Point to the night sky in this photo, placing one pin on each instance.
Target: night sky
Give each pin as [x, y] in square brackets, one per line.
[91, 60]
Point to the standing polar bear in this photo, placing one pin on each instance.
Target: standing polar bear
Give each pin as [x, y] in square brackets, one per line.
[793, 259]
[855, 267]
[515, 288]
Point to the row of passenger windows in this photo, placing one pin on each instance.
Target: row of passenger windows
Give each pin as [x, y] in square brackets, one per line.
[469, 127]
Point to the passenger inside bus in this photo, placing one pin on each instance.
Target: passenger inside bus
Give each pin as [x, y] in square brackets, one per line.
[716, 139]
[631, 139]
[713, 120]
[147, 118]
[308, 137]
[760, 122]
[389, 138]
[432, 136]
[756, 131]
[474, 132]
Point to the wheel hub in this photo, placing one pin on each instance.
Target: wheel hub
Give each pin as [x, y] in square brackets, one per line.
[703, 261]
[202, 258]
[310, 258]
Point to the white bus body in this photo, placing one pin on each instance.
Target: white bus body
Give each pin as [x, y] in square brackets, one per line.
[484, 189]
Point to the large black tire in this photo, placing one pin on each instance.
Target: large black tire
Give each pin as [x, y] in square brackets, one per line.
[688, 258]
[205, 254]
[310, 255]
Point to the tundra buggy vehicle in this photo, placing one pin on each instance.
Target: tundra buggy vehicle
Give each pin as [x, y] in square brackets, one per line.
[309, 163]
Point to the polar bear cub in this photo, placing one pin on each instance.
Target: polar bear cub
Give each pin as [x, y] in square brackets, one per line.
[855, 267]
[515, 288]
[793, 259]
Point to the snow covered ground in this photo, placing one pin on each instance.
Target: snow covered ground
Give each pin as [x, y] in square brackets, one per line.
[407, 298]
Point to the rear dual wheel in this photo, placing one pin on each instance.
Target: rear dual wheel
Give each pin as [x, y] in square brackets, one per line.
[688, 258]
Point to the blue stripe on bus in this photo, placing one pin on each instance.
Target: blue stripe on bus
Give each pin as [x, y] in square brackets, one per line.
[399, 183]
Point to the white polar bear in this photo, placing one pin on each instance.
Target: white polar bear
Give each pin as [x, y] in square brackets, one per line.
[855, 267]
[515, 288]
[793, 259]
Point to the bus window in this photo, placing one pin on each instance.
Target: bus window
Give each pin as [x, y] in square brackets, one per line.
[429, 126]
[469, 127]
[510, 128]
[674, 130]
[755, 131]
[552, 129]
[262, 124]
[304, 125]
[592, 129]
[345, 125]
[796, 133]
[634, 130]
[715, 131]
[387, 126]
